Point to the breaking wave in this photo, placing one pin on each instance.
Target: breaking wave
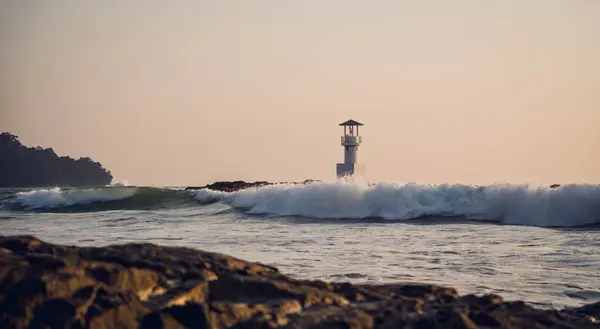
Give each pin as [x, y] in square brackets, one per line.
[55, 197]
[98, 199]
[565, 206]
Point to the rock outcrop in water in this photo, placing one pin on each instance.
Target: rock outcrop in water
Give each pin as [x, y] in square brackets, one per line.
[22, 166]
[44, 285]
[233, 186]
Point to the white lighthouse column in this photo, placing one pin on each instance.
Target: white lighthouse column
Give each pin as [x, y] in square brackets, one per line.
[350, 154]
[351, 140]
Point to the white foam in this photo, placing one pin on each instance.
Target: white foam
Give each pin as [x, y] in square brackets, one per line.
[57, 197]
[119, 183]
[568, 205]
[207, 195]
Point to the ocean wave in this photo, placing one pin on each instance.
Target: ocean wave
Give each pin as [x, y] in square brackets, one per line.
[100, 199]
[57, 197]
[565, 206]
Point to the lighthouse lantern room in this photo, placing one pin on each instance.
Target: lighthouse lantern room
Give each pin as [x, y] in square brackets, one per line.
[351, 140]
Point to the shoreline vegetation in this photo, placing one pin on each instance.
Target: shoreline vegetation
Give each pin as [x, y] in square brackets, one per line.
[143, 285]
[22, 166]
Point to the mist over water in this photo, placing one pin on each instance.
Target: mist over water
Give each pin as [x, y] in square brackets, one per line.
[527, 242]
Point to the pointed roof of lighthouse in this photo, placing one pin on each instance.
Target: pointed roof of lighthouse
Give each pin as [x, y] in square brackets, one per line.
[351, 123]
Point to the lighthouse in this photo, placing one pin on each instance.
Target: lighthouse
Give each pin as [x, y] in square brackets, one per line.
[351, 140]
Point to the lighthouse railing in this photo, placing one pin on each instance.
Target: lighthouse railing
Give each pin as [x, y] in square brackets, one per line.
[351, 139]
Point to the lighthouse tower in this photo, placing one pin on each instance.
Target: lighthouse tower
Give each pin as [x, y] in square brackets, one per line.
[351, 140]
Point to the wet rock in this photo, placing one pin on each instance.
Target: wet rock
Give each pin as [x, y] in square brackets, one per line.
[590, 311]
[225, 314]
[238, 288]
[181, 294]
[45, 285]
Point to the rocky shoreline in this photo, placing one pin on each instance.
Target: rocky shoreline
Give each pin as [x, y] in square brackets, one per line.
[45, 285]
[233, 186]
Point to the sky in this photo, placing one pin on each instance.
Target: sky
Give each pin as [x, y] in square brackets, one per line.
[190, 92]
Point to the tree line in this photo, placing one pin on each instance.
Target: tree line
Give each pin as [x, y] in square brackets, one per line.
[22, 166]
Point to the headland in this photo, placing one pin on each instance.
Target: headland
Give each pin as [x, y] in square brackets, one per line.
[22, 166]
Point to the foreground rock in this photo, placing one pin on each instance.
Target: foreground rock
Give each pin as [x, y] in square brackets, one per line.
[147, 286]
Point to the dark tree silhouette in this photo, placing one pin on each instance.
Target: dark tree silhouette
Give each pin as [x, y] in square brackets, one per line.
[22, 166]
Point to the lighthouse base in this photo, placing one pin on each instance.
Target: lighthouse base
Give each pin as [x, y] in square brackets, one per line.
[350, 169]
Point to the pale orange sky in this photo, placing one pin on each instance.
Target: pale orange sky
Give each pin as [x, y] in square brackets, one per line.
[189, 92]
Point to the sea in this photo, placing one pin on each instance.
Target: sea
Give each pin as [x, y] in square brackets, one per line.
[524, 242]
